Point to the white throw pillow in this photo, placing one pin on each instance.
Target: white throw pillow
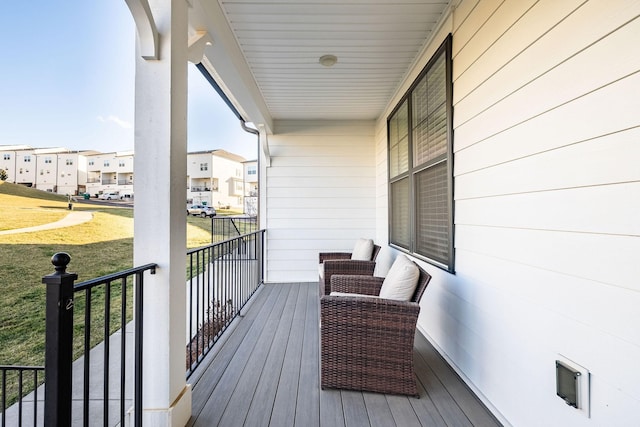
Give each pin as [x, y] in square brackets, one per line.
[384, 261]
[401, 281]
[362, 250]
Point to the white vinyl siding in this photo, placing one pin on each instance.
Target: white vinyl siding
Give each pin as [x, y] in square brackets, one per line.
[320, 194]
[547, 196]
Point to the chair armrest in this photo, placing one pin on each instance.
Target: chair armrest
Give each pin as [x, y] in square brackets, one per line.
[356, 284]
[323, 256]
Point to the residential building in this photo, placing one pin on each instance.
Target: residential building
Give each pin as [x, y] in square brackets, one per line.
[215, 178]
[110, 172]
[25, 167]
[251, 187]
[8, 162]
[60, 171]
[524, 209]
[251, 178]
[57, 170]
[47, 171]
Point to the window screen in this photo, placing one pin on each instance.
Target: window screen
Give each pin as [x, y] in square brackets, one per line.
[400, 209]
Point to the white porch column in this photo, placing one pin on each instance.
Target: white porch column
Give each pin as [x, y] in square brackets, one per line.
[159, 216]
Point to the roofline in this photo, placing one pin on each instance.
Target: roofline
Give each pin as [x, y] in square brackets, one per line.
[207, 75]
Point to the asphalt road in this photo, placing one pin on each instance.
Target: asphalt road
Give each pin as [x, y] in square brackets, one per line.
[100, 202]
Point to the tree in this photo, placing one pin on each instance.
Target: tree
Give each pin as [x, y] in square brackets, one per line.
[3, 175]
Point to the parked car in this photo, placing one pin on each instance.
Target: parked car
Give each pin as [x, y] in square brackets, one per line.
[201, 210]
[109, 196]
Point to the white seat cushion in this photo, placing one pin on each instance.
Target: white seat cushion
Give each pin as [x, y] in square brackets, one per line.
[321, 271]
[347, 294]
[401, 281]
[362, 250]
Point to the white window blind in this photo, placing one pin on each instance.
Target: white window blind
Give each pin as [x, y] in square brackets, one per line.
[400, 213]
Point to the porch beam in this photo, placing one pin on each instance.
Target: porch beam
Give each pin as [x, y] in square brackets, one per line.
[197, 44]
[145, 28]
[159, 215]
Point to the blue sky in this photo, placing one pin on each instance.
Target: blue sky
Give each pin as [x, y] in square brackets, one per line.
[67, 80]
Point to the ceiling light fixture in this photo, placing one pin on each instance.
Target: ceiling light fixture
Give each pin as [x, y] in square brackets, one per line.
[328, 60]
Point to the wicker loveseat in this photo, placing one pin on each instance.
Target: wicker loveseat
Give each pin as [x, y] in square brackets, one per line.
[331, 263]
[367, 343]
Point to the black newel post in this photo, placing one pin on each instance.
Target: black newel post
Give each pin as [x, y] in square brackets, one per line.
[58, 343]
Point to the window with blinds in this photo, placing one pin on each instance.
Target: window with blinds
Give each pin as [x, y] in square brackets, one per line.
[420, 165]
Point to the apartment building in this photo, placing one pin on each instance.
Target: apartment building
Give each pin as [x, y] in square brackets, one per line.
[215, 178]
[60, 171]
[8, 160]
[24, 168]
[251, 187]
[56, 170]
[110, 173]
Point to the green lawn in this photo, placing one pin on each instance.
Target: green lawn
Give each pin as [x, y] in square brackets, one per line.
[101, 246]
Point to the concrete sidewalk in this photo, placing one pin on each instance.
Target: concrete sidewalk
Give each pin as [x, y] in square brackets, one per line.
[73, 218]
[31, 416]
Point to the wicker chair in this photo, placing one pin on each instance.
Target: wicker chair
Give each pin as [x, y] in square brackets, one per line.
[341, 263]
[367, 343]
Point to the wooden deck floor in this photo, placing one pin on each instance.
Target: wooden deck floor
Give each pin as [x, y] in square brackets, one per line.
[266, 373]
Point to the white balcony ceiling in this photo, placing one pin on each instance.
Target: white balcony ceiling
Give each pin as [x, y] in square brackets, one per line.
[274, 49]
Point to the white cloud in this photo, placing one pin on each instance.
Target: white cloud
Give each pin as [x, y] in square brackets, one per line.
[113, 119]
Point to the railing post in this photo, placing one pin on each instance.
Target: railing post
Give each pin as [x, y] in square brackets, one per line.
[58, 342]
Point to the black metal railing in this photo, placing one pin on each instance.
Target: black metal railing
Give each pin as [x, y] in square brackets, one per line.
[222, 277]
[19, 400]
[228, 227]
[107, 305]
